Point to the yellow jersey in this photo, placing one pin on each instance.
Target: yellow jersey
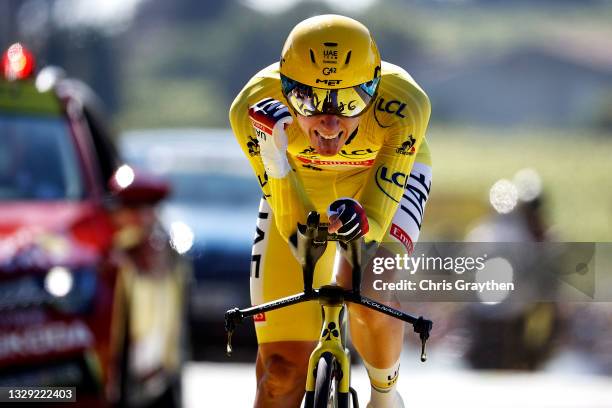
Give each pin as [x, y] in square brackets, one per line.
[373, 166]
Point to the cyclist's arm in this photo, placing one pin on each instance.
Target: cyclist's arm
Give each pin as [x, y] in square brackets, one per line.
[286, 195]
[390, 173]
[412, 205]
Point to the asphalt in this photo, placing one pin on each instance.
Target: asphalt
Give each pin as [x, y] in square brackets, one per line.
[567, 382]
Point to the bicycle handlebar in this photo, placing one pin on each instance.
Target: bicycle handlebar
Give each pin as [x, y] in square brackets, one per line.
[312, 241]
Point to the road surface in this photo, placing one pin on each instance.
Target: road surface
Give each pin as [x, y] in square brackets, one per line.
[566, 385]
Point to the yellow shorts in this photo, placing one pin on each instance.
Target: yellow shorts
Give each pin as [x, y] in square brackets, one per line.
[275, 273]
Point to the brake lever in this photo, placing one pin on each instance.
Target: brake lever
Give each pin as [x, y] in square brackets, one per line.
[233, 317]
[423, 327]
[228, 346]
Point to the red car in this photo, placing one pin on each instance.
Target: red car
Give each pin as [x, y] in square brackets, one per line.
[91, 290]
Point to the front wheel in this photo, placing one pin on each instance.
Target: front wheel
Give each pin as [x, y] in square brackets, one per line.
[324, 387]
[328, 376]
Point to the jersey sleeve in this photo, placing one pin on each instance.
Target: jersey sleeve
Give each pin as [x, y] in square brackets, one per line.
[286, 195]
[390, 173]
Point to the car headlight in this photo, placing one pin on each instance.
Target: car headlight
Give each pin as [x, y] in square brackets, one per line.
[59, 281]
[71, 290]
[181, 237]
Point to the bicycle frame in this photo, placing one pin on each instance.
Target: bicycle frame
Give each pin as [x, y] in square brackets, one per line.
[311, 243]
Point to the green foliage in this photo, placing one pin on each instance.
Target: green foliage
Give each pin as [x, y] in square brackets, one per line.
[575, 167]
[225, 51]
[173, 102]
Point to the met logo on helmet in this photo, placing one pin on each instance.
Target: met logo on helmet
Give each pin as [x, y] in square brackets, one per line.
[329, 82]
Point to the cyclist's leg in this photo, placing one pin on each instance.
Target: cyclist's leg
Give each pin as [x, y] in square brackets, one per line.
[379, 338]
[281, 373]
[287, 336]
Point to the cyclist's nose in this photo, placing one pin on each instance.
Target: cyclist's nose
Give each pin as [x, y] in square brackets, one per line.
[330, 123]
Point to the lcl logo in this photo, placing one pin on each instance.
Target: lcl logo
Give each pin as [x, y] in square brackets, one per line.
[387, 181]
[392, 107]
[395, 107]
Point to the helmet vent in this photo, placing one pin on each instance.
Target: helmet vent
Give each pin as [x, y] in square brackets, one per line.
[312, 58]
[348, 58]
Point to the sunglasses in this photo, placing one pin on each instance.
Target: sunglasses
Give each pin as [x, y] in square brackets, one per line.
[309, 101]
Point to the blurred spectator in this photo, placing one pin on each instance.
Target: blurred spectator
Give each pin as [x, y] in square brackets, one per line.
[514, 334]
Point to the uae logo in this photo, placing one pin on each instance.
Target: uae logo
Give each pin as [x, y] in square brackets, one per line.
[330, 53]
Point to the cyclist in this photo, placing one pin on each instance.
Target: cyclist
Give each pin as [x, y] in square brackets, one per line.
[330, 123]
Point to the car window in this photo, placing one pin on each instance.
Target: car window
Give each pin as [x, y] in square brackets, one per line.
[202, 170]
[214, 189]
[38, 160]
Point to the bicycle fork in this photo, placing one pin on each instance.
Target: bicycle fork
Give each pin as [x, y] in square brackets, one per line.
[331, 341]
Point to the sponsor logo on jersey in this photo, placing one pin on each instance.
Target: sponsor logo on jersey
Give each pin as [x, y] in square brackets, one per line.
[415, 196]
[407, 148]
[402, 236]
[253, 146]
[258, 251]
[308, 151]
[259, 317]
[362, 163]
[386, 180]
[355, 154]
[263, 181]
[262, 130]
[352, 136]
[392, 107]
[409, 216]
[311, 167]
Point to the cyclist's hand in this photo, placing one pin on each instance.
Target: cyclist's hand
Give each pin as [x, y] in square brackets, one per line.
[347, 218]
[270, 118]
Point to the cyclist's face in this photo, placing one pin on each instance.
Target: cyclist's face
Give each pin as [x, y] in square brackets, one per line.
[328, 133]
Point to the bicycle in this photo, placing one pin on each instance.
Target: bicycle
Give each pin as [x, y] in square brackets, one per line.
[328, 377]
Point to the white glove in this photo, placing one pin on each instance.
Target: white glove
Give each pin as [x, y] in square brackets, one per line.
[269, 118]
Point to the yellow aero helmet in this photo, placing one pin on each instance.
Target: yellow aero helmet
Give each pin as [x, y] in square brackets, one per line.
[330, 64]
[330, 51]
